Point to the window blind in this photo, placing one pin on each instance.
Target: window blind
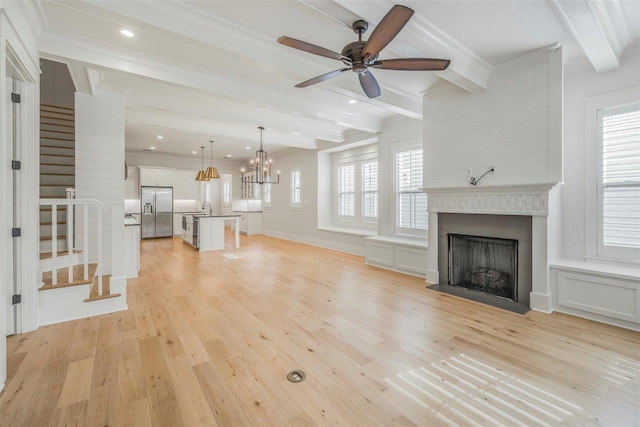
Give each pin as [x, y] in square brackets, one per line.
[621, 178]
[295, 187]
[267, 194]
[370, 189]
[346, 190]
[411, 203]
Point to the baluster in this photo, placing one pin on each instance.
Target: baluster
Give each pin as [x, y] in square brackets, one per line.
[70, 241]
[54, 244]
[99, 269]
[85, 238]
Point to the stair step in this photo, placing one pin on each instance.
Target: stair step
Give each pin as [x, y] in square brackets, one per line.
[56, 155]
[49, 223]
[53, 138]
[54, 185]
[57, 124]
[78, 277]
[45, 209]
[50, 116]
[56, 174]
[45, 105]
[47, 238]
[106, 284]
[48, 255]
[66, 132]
[56, 146]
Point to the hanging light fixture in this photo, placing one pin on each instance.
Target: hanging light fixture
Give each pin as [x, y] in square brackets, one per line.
[211, 172]
[202, 175]
[260, 168]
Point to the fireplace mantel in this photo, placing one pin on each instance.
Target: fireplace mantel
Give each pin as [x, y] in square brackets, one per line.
[529, 199]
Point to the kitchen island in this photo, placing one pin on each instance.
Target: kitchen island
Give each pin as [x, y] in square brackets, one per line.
[210, 231]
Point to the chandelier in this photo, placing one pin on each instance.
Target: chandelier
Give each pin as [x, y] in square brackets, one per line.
[260, 168]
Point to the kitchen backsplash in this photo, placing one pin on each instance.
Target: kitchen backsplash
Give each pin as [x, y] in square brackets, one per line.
[131, 206]
[186, 206]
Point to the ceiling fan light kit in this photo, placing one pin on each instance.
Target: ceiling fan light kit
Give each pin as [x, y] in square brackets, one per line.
[360, 56]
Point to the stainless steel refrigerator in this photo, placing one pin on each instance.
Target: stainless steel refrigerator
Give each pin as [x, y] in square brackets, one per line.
[157, 212]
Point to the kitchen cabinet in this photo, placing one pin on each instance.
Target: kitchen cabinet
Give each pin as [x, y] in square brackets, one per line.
[132, 184]
[177, 224]
[132, 245]
[150, 177]
[185, 187]
[250, 222]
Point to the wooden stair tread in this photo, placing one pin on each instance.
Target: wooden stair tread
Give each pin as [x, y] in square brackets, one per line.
[47, 238]
[45, 209]
[57, 155]
[55, 146]
[48, 255]
[55, 185]
[51, 223]
[78, 277]
[56, 174]
[66, 132]
[106, 286]
[45, 105]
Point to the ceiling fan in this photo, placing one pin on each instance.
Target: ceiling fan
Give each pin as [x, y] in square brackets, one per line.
[361, 55]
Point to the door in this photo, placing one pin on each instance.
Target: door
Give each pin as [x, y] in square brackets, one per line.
[13, 138]
[148, 211]
[164, 212]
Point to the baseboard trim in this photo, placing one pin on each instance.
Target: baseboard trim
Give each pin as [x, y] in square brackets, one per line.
[598, 318]
[353, 250]
[387, 267]
[541, 302]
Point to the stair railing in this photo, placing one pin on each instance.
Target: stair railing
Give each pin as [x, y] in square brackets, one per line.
[85, 204]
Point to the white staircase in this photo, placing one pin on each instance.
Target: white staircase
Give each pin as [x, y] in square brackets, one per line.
[73, 281]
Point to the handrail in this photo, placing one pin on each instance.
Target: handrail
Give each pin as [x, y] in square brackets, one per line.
[44, 202]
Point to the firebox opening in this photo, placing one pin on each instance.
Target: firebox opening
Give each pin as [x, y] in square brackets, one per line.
[484, 264]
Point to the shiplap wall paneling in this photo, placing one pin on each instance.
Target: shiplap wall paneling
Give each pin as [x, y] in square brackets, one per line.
[508, 126]
[100, 140]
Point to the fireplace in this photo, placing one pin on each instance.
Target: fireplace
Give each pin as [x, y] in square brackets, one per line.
[484, 264]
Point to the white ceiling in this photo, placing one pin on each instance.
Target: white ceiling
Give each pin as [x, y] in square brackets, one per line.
[201, 70]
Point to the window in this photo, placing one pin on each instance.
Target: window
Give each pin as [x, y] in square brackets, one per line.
[347, 190]
[266, 195]
[370, 189]
[411, 202]
[226, 193]
[295, 188]
[354, 194]
[619, 181]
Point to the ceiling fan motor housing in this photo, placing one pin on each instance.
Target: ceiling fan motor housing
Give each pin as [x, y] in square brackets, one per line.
[353, 51]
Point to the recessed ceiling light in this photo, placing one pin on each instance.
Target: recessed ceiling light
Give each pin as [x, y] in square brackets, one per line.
[127, 33]
[160, 137]
[248, 148]
[228, 155]
[352, 101]
[153, 148]
[194, 152]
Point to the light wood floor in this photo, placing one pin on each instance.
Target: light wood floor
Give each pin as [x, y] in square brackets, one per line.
[209, 338]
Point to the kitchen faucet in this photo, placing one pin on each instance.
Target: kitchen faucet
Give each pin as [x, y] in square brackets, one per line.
[204, 205]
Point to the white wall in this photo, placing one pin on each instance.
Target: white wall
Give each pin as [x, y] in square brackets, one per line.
[100, 169]
[580, 85]
[513, 126]
[301, 225]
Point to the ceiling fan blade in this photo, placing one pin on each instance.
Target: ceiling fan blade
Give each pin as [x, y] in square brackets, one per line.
[322, 77]
[369, 84]
[412, 64]
[311, 48]
[386, 30]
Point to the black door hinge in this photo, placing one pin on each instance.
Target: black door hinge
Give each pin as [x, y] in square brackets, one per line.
[16, 165]
[17, 299]
[16, 232]
[15, 98]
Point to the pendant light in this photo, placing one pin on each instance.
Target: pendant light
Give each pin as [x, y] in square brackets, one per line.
[212, 173]
[260, 168]
[202, 175]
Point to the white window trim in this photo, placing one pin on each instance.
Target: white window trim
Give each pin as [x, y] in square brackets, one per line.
[295, 205]
[346, 218]
[593, 204]
[265, 204]
[358, 221]
[402, 231]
